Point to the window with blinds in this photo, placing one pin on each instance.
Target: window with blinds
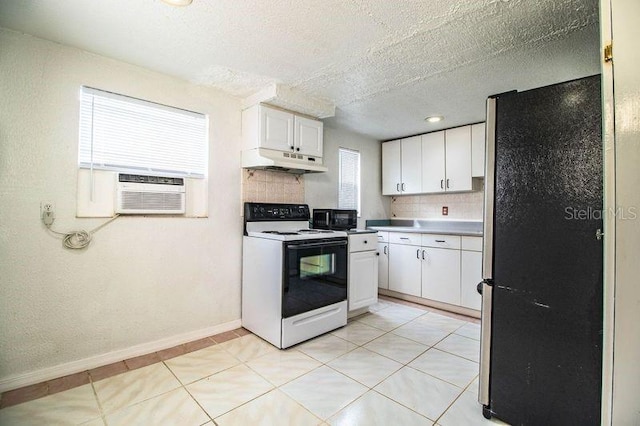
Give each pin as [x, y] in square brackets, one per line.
[349, 179]
[127, 134]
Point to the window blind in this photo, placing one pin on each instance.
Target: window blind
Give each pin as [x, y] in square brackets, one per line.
[349, 180]
[127, 134]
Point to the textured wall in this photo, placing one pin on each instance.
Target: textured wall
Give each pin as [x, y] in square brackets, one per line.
[142, 279]
[385, 64]
[321, 189]
[465, 205]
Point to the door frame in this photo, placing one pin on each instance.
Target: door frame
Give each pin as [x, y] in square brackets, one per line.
[609, 220]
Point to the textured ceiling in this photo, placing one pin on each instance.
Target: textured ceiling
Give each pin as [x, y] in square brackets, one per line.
[385, 64]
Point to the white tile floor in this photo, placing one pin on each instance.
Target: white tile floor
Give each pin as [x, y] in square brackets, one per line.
[397, 365]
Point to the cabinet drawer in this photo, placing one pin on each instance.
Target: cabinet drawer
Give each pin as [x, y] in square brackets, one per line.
[383, 237]
[472, 243]
[441, 241]
[405, 238]
[362, 242]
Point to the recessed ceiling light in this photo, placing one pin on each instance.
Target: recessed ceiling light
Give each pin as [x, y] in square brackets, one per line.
[434, 118]
[178, 2]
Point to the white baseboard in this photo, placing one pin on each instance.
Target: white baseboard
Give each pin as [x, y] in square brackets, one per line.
[49, 373]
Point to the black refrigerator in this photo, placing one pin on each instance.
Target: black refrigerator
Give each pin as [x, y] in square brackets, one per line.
[541, 347]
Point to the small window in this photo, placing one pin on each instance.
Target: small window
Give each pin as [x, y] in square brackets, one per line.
[127, 134]
[349, 181]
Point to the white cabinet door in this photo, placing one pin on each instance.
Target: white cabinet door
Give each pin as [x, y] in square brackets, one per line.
[405, 269]
[441, 275]
[383, 265]
[410, 165]
[477, 150]
[363, 279]
[308, 136]
[391, 172]
[276, 129]
[471, 276]
[458, 159]
[433, 162]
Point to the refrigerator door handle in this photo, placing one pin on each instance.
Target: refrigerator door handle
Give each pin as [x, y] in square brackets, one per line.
[489, 192]
[487, 253]
[485, 342]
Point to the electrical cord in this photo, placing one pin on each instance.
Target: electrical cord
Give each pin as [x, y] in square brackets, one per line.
[79, 239]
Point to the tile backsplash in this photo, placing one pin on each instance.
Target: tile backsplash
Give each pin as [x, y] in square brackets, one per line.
[267, 186]
[464, 205]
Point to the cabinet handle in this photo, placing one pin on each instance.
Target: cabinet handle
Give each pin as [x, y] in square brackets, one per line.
[441, 241]
[385, 249]
[422, 254]
[441, 183]
[377, 253]
[291, 148]
[365, 241]
[447, 183]
[397, 187]
[297, 149]
[418, 254]
[403, 186]
[404, 238]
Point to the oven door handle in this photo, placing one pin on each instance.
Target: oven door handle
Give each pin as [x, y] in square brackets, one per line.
[311, 245]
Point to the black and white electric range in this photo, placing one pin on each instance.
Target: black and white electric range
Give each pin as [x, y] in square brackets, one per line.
[294, 279]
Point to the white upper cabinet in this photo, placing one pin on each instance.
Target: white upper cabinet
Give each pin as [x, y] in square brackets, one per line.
[391, 174]
[401, 166]
[443, 161]
[458, 159]
[276, 129]
[477, 149]
[410, 165]
[267, 127]
[308, 136]
[433, 163]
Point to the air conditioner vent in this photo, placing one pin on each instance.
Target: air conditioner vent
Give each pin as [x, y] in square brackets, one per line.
[163, 196]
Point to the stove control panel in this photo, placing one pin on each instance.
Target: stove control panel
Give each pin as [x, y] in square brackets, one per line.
[256, 212]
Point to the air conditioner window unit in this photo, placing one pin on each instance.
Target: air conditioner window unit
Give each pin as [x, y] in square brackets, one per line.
[143, 194]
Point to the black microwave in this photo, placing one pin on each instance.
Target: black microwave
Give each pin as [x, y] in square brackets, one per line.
[336, 219]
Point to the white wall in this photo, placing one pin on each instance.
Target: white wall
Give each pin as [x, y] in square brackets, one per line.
[321, 189]
[142, 279]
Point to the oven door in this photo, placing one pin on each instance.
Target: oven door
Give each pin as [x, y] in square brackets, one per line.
[315, 275]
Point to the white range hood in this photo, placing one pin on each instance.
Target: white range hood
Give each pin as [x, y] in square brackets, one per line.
[262, 158]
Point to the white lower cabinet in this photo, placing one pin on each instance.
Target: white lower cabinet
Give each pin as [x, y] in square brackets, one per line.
[471, 276]
[443, 268]
[363, 271]
[405, 269]
[383, 265]
[441, 275]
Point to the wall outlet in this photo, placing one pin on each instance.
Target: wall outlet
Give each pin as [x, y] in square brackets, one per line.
[47, 212]
[445, 211]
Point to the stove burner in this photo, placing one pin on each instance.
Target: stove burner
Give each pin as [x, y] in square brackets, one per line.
[280, 233]
[314, 231]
